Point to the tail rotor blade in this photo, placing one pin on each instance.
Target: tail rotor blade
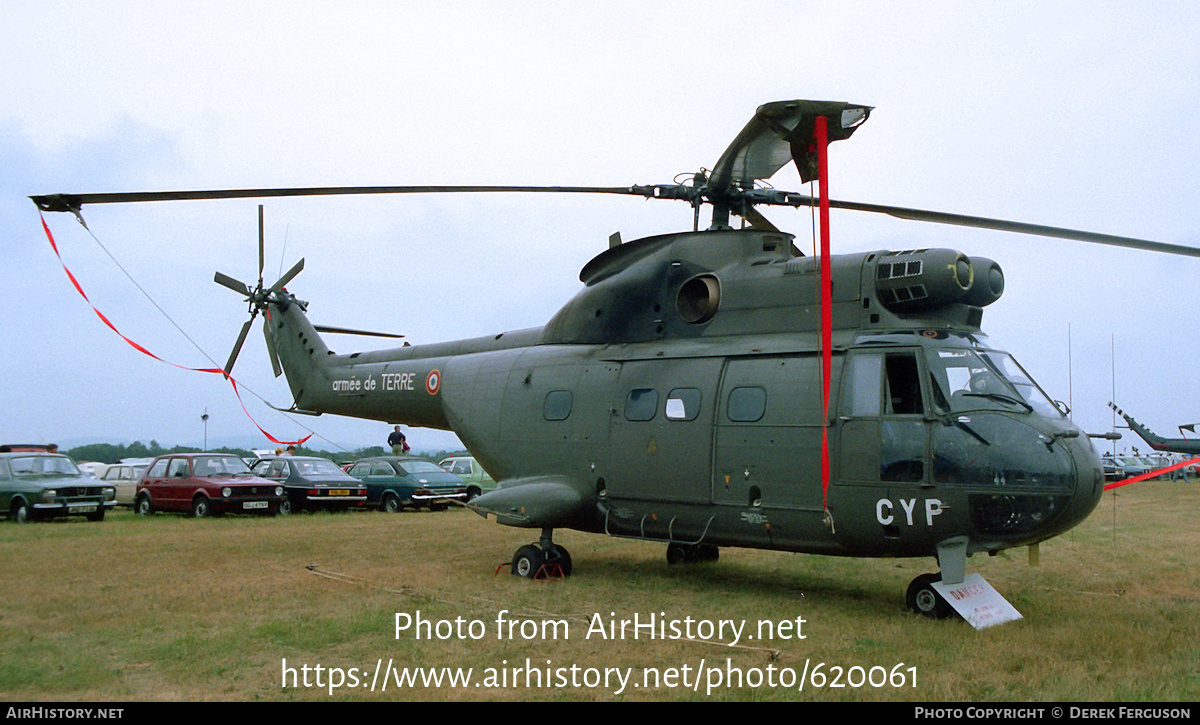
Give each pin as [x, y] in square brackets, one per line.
[260, 244]
[237, 348]
[226, 281]
[288, 276]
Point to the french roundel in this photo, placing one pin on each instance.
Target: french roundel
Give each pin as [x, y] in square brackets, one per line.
[433, 381]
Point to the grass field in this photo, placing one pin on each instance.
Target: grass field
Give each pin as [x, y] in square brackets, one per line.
[170, 608]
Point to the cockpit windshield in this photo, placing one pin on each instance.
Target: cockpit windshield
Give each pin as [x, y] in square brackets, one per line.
[964, 379]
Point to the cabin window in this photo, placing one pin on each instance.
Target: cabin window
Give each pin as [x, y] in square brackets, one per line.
[747, 405]
[903, 394]
[159, 468]
[178, 469]
[557, 405]
[641, 404]
[865, 372]
[683, 404]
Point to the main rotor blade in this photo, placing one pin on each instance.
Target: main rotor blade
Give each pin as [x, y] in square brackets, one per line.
[288, 276]
[237, 348]
[73, 202]
[348, 331]
[1002, 225]
[233, 284]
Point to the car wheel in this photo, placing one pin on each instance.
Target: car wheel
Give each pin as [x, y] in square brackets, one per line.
[97, 515]
[21, 513]
[472, 493]
[527, 562]
[201, 508]
[285, 507]
[143, 506]
[391, 503]
[923, 599]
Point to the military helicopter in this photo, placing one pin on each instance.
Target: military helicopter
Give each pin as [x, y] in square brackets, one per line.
[717, 388]
[1157, 442]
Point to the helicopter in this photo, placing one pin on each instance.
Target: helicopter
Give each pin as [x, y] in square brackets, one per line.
[716, 387]
[1157, 442]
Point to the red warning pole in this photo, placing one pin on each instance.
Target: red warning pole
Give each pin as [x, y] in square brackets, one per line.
[821, 138]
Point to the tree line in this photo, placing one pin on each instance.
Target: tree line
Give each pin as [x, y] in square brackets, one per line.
[114, 452]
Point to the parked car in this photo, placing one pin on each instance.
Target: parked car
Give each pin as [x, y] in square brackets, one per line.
[1112, 472]
[205, 484]
[44, 485]
[124, 478]
[93, 469]
[394, 482]
[312, 483]
[468, 469]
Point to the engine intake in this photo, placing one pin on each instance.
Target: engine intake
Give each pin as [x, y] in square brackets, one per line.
[921, 279]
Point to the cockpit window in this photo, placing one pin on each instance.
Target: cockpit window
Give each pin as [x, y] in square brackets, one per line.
[964, 380]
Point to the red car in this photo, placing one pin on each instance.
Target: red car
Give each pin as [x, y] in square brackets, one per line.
[205, 484]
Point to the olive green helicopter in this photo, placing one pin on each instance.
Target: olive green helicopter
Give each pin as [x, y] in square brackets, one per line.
[718, 388]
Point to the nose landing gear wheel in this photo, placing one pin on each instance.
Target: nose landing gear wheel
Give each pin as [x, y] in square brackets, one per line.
[923, 599]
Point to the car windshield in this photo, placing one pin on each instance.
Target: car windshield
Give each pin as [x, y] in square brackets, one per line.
[316, 468]
[44, 466]
[219, 466]
[972, 379]
[415, 467]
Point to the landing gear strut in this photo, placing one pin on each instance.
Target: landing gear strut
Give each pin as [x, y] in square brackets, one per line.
[542, 560]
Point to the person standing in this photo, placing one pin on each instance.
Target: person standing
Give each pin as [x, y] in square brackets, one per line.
[398, 442]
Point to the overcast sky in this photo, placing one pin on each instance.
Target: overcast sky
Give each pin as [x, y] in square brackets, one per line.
[1077, 114]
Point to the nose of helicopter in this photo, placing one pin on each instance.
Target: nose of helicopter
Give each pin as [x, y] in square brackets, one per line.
[1089, 480]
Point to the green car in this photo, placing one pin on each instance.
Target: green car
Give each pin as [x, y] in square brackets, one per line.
[394, 482]
[43, 485]
[468, 469]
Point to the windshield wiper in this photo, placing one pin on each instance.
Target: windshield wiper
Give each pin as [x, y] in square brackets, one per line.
[1002, 398]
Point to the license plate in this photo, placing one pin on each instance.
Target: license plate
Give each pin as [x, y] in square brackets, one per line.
[83, 509]
[339, 492]
[254, 505]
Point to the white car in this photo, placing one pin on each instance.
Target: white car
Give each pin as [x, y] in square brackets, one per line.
[123, 477]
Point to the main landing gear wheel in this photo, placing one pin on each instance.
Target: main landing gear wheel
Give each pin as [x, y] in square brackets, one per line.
[923, 599]
[542, 560]
[691, 553]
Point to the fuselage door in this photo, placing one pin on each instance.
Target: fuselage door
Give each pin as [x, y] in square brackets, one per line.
[662, 430]
[883, 428]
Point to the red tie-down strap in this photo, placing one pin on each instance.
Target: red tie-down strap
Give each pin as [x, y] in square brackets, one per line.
[1151, 474]
[144, 351]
